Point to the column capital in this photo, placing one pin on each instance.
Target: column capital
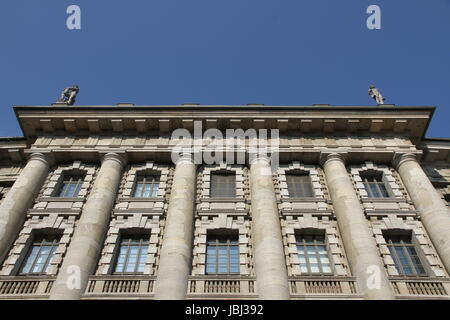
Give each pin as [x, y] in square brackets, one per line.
[253, 157]
[339, 156]
[400, 158]
[121, 158]
[46, 158]
[183, 158]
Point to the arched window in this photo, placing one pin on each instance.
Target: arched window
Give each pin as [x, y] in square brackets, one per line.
[223, 184]
[374, 184]
[299, 184]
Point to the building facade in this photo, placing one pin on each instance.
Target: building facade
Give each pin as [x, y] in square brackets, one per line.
[93, 204]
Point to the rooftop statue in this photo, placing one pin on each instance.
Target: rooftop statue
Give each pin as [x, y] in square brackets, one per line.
[68, 95]
[376, 95]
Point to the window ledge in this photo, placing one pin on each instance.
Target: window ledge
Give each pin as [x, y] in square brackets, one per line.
[318, 277]
[222, 199]
[393, 199]
[141, 199]
[419, 278]
[222, 276]
[61, 199]
[309, 199]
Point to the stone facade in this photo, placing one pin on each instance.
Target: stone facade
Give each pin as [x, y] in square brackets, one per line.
[110, 147]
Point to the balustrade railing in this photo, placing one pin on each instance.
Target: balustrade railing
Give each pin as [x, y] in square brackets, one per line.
[419, 287]
[25, 287]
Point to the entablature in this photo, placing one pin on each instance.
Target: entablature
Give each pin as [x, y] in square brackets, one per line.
[411, 121]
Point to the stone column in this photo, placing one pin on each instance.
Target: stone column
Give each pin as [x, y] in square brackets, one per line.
[176, 250]
[270, 259]
[433, 212]
[19, 199]
[360, 246]
[84, 249]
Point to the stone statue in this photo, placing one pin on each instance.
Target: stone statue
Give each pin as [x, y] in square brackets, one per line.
[68, 95]
[376, 94]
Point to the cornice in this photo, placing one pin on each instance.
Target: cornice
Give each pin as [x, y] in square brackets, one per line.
[406, 121]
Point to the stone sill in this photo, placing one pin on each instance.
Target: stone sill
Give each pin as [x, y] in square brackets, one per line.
[61, 212]
[314, 213]
[312, 199]
[394, 200]
[222, 200]
[419, 279]
[129, 276]
[153, 199]
[62, 199]
[44, 277]
[225, 277]
[216, 212]
[327, 277]
[144, 211]
[386, 213]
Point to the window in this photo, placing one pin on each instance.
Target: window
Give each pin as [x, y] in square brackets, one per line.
[39, 255]
[146, 186]
[299, 185]
[313, 253]
[132, 254]
[404, 254]
[71, 186]
[374, 185]
[222, 254]
[223, 185]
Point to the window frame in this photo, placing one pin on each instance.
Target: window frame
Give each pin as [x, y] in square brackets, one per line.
[230, 243]
[308, 186]
[378, 193]
[40, 241]
[305, 245]
[154, 185]
[397, 261]
[66, 182]
[217, 189]
[144, 241]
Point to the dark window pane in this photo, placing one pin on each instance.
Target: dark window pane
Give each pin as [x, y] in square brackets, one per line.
[299, 185]
[223, 185]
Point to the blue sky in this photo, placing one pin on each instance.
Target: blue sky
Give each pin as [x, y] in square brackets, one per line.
[276, 52]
